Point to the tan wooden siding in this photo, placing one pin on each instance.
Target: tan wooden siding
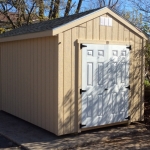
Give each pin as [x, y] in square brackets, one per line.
[137, 101]
[67, 78]
[29, 80]
[70, 75]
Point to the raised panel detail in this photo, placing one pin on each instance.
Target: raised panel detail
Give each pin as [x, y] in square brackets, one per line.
[89, 74]
[89, 105]
[90, 52]
[115, 104]
[114, 73]
[101, 53]
[123, 72]
[123, 53]
[100, 105]
[122, 102]
[100, 73]
[115, 53]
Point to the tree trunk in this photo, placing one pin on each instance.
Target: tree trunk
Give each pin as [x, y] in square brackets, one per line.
[79, 6]
[68, 8]
[51, 9]
[56, 9]
[41, 10]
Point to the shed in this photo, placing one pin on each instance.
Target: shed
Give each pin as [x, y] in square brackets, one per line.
[74, 73]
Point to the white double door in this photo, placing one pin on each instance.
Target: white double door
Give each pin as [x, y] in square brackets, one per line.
[105, 77]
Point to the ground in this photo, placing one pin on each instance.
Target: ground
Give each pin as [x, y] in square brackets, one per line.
[128, 142]
[134, 140]
[7, 144]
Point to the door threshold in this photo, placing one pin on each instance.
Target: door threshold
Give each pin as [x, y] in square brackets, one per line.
[104, 126]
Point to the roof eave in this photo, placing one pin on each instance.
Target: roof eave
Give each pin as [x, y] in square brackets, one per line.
[27, 36]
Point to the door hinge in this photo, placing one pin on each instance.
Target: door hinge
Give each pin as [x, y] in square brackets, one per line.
[82, 125]
[82, 91]
[128, 87]
[129, 47]
[128, 118]
[81, 46]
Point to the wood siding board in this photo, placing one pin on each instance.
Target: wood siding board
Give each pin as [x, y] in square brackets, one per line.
[21, 79]
[108, 31]
[96, 28]
[143, 78]
[126, 34]
[76, 82]
[47, 88]
[14, 80]
[24, 101]
[32, 102]
[82, 31]
[43, 83]
[35, 80]
[55, 74]
[131, 72]
[51, 83]
[24, 86]
[29, 80]
[74, 45]
[115, 29]
[18, 80]
[39, 83]
[121, 32]
[136, 82]
[103, 30]
[79, 86]
[60, 84]
[10, 83]
[67, 80]
[89, 30]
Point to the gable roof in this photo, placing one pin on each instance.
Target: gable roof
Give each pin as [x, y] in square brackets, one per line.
[55, 26]
[45, 25]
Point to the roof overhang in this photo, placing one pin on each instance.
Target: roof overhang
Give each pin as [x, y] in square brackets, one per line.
[74, 23]
[27, 36]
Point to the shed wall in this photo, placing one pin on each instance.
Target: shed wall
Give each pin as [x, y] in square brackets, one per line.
[29, 80]
[70, 76]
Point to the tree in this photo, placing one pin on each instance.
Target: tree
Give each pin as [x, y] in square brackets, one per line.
[27, 11]
[22, 10]
[109, 3]
[41, 9]
[144, 7]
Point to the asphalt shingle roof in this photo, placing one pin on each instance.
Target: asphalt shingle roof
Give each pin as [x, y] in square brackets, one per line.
[45, 25]
[51, 24]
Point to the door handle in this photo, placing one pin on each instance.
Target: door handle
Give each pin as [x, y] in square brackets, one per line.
[82, 91]
[106, 89]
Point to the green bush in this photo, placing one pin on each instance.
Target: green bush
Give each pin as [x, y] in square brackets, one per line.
[147, 83]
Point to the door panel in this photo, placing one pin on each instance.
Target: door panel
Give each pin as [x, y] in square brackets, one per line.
[105, 76]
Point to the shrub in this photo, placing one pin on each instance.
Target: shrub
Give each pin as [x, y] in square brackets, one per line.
[147, 83]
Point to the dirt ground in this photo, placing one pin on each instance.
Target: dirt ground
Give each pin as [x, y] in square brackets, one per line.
[140, 140]
[129, 142]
